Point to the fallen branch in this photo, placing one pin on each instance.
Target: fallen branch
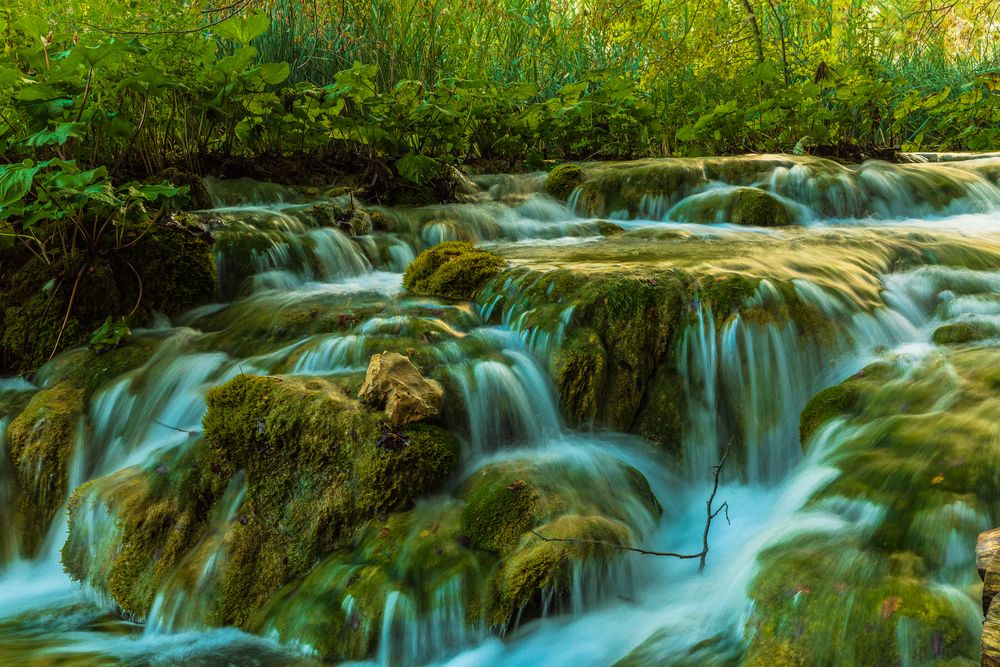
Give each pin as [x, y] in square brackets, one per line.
[711, 514]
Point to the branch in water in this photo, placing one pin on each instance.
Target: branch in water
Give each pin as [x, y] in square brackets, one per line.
[711, 514]
[176, 428]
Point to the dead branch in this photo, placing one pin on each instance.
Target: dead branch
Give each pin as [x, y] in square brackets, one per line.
[711, 512]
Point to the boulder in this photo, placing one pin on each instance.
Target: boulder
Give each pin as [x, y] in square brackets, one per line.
[395, 384]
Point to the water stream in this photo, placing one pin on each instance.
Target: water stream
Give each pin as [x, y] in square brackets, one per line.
[745, 377]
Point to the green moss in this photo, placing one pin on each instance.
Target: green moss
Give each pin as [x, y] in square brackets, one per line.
[831, 402]
[315, 471]
[578, 371]
[661, 417]
[176, 267]
[89, 370]
[562, 180]
[755, 207]
[156, 267]
[453, 270]
[542, 566]
[962, 332]
[499, 508]
[40, 442]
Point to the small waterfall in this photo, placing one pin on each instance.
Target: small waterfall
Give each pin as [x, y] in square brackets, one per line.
[508, 398]
[182, 604]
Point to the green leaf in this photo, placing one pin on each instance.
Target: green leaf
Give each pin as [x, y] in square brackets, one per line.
[31, 25]
[154, 191]
[417, 168]
[109, 335]
[57, 136]
[243, 29]
[274, 73]
[15, 182]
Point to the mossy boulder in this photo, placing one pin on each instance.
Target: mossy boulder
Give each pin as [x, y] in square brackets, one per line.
[545, 561]
[739, 206]
[157, 267]
[40, 443]
[452, 270]
[831, 402]
[508, 505]
[959, 333]
[316, 465]
[562, 180]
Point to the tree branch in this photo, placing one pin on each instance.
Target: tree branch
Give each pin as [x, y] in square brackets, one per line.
[711, 514]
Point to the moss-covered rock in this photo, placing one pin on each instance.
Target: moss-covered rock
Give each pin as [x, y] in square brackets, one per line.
[959, 333]
[831, 402]
[40, 442]
[316, 466]
[508, 505]
[154, 268]
[562, 180]
[544, 562]
[453, 270]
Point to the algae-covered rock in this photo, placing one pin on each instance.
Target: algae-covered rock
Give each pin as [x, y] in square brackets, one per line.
[562, 180]
[453, 270]
[40, 442]
[153, 267]
[535, 517]
[739, 206]
[959, 333]
[915, 476]
[545, 561]
[831, 402]
[394, 384]
[315, 464]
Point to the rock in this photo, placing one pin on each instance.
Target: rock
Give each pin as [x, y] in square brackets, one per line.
[562, 180]
[988, 564]
[452, 270]
[393, 382]
[958, 333]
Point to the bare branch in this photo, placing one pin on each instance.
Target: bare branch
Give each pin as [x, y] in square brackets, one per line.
[711, 514]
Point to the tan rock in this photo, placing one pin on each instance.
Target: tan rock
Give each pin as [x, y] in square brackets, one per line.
[395, 384]
[988, 564]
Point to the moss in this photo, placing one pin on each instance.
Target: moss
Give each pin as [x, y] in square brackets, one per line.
[128, 532]
[755, 207]
[176, 266]
[606, 228]
[818, 601]
[562, 180]
[959, 333]
[156, 267]
[661, 418]
[578, 371]
[541, 567]
[831, 402]
[40, 442]
[453, 270]
[89, 370]
[315, 471]
[499, 509]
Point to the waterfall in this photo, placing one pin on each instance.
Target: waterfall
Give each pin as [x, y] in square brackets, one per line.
[306, 298]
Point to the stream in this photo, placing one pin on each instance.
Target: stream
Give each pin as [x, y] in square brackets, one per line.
[823, 548]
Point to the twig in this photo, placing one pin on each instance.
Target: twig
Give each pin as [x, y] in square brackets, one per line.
[711, 514]
[139, 298]
[69, 310]
[175, 428]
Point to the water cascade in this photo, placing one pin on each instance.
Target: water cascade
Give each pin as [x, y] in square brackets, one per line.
[223, 505]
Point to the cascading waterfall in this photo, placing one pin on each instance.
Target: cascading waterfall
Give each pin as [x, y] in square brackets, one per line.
[302, 299]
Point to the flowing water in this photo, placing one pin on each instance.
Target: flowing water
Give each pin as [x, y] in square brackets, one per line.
[745, 376]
